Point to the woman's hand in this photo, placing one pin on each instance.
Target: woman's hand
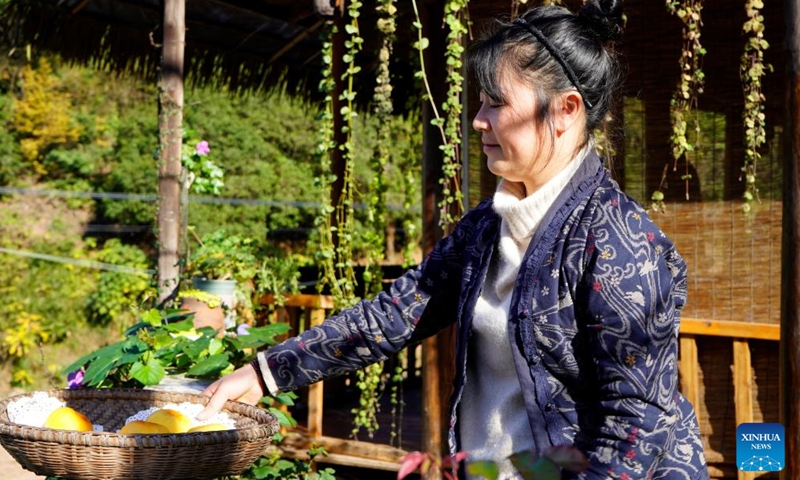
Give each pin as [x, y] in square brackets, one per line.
[241, 385]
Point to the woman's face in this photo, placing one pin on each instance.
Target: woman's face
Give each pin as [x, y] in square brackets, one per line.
[512, 138]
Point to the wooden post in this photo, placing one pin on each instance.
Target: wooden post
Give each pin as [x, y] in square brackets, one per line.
[790, 259]
[689, 368]
[315, 390]
[743, 389]
[170, 130]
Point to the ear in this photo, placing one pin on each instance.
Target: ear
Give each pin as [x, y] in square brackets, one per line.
[569, 110]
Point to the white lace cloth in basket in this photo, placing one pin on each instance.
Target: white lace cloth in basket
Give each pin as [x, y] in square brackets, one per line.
[33, 410]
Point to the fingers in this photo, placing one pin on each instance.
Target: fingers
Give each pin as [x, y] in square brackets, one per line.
[240, 385]
[215, 404]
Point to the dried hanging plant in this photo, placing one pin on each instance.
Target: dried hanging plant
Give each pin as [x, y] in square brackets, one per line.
[690, 86]
[751, 70]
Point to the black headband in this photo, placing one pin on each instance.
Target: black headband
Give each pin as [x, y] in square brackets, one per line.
[554, 53]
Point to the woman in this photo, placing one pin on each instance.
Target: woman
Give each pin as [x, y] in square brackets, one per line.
[565, 294]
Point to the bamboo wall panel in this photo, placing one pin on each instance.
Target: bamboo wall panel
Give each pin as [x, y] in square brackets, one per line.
[733, 259]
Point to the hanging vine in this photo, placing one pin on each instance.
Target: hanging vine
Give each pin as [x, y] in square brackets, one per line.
[336, 257]
[456, 19]
[325, 256]
[751, 70]
[382, 109]
[370, 380]
[690, 86]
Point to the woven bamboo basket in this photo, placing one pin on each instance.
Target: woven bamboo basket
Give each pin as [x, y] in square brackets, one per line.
[111, 456]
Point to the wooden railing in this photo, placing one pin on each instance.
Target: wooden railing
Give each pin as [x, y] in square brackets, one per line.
[747, 407]
[696, 336]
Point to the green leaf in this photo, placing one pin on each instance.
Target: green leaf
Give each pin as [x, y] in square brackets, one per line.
[283, 419]
[184, 325]
[286, 398]
[209, 366]
[101, 364]
[532, 468]
[259, 336]
[149, 373]
[215, 346]
[487, 469]
[153, 317]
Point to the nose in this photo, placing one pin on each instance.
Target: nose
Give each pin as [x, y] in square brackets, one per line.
[479, 122]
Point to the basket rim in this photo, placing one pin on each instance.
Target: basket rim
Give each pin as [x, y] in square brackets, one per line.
[267, 424]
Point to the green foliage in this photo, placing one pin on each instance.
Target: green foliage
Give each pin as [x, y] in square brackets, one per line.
[202, 174]
[450, 125]
[278, 275]
[222, 256]
[42, 116]
[118, 292]
[167, 343]
[273, 467]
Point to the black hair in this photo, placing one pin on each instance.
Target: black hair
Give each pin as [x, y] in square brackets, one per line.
[555, 50]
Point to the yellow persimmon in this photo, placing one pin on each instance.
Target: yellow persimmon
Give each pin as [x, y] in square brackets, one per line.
[211, 427]
[175, 421]
[66, 418]
[143, 427]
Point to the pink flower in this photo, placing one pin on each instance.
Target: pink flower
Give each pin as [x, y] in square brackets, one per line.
[242, 329]
[75, 379]
[202, 148]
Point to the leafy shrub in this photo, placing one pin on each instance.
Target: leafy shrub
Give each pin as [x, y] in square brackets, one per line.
[166, 342]
[118, 292]
[222, 256]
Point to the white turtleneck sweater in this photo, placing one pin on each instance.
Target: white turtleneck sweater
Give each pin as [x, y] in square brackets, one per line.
[493, 420]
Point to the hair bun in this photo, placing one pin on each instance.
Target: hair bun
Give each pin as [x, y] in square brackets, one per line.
[603, 17]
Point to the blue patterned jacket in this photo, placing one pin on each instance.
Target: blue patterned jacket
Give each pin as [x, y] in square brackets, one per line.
[593, 325]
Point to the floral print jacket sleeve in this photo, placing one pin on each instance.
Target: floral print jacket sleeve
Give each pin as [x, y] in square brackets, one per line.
[419, 304]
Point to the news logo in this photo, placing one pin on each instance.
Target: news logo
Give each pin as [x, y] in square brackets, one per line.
[760, 447]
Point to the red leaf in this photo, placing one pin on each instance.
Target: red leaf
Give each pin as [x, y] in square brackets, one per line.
[452, 461]
[409, 463]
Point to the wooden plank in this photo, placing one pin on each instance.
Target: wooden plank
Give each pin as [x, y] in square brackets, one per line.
[348, 461]
[689, 365]
[301, 300]
[743, 389]
[315, 390]
[353, 452]
[758, 331]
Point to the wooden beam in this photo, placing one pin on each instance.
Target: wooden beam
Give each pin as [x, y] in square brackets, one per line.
[299, 37]
[718, 328]
[79, 7]
[344, 452]
[301, 300]
[743, 390]
[790, 259]
[170, 130]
